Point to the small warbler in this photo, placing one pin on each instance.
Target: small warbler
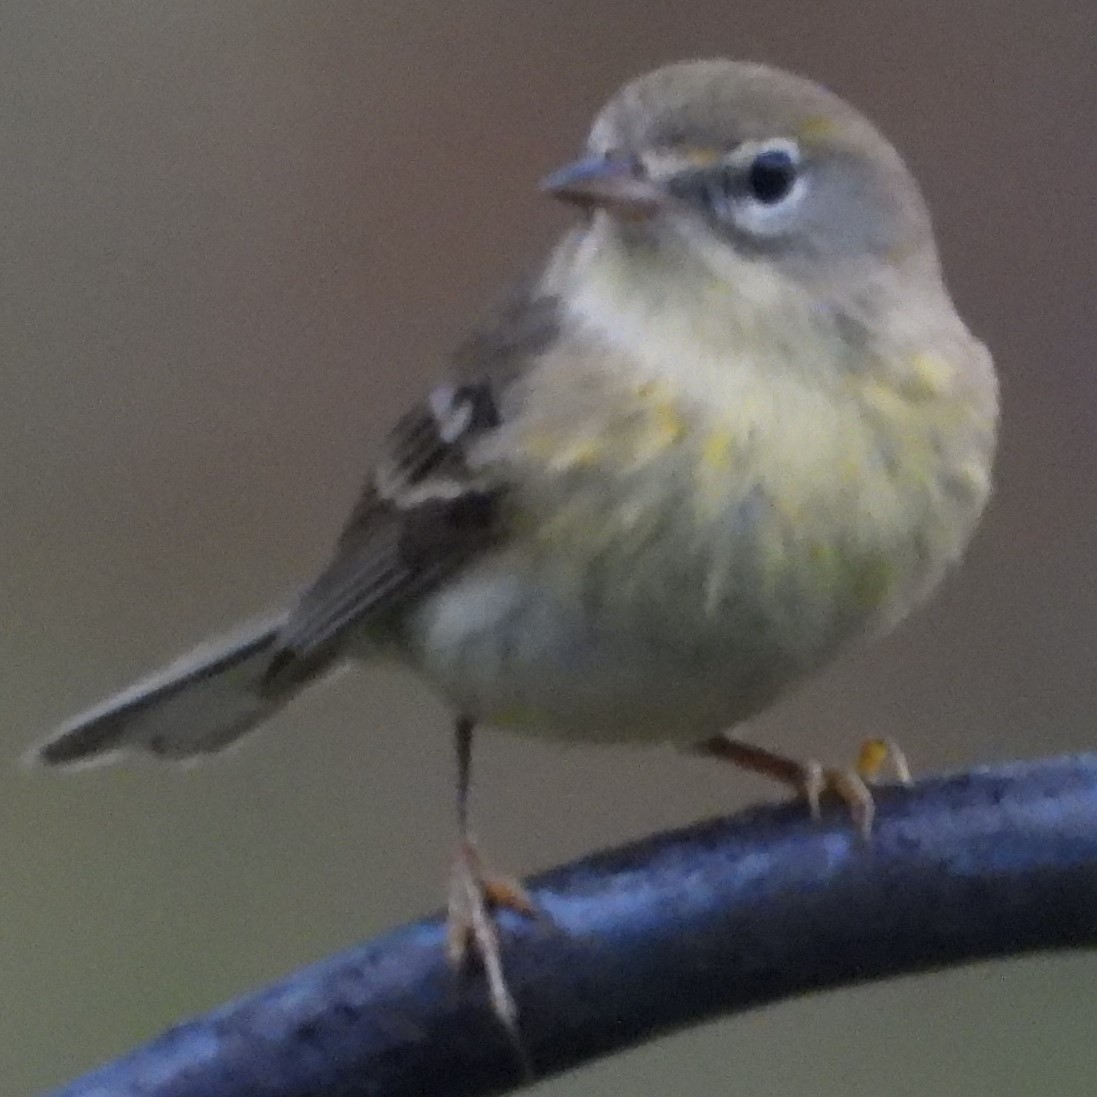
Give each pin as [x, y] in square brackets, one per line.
[733, 422]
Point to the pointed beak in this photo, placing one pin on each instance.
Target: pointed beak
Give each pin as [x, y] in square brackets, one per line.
[600, 183]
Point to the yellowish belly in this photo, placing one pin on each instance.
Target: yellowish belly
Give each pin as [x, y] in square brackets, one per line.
[667, 574]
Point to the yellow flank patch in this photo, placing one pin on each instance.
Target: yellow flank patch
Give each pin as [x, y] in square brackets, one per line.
[664, 423]
[668, 423]
[714, 477]
[561, 453]
[716, 451]
[580, 454]
[930, 375]
[888, 400]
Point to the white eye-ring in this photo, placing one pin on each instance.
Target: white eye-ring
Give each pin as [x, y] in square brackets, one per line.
[771, 173]
[762, 184]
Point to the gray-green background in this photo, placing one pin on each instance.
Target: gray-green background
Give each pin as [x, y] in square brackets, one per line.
[235, 239]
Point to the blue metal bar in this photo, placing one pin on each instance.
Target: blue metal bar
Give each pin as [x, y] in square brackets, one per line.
[676, 929]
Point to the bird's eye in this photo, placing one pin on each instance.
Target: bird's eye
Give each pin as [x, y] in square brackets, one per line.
[771, 175]
[755, 189]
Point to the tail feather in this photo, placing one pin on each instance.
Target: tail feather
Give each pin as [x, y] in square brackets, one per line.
[196, 705]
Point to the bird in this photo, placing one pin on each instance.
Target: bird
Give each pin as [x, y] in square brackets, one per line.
[732, 423]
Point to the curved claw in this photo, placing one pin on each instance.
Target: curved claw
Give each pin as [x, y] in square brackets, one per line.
[813, 780]
[848, 785]
[874, 753]
[474, 894]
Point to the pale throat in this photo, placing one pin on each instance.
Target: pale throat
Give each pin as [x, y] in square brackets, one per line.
[730, 345]
[734, 373]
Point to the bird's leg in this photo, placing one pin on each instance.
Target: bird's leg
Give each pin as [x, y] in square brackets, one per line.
[475, 893]
[811, 779]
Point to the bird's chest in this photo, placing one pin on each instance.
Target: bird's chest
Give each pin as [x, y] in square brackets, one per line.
[639, 602]
[712, 523]
[668, 564]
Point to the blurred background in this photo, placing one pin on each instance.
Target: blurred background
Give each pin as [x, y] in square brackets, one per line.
[235, 240]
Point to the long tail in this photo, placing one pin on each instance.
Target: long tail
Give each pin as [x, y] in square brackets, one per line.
[195, 705]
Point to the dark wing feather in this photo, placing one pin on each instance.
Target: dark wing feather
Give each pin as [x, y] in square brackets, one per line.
[424, 512]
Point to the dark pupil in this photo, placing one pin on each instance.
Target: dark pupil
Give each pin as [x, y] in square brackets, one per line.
[771, 176]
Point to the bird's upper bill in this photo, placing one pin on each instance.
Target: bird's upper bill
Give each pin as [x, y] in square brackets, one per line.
[606, 182]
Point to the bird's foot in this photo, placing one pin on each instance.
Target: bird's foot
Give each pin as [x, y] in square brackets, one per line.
[475, 893]
[814, 780]
[851, 783]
